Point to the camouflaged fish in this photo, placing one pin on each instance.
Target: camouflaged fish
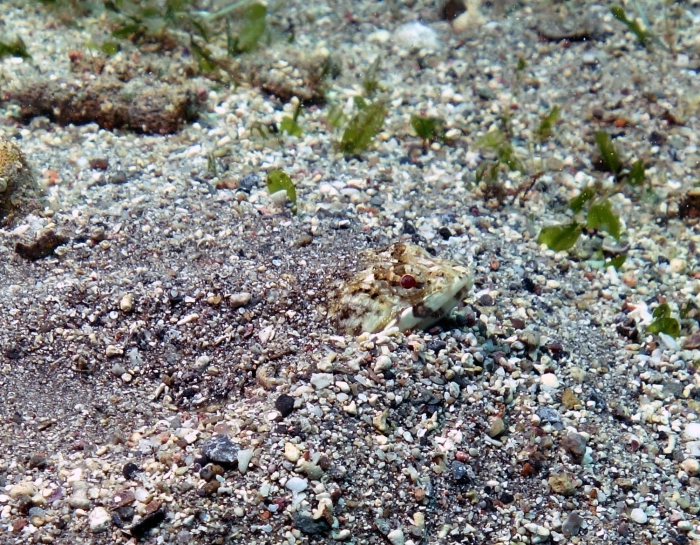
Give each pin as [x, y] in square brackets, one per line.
[406, 288]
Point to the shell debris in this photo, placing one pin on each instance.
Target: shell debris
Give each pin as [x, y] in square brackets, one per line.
[406, 288]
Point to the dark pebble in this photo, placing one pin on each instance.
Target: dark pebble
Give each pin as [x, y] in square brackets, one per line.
[117, 520]
[550, 416]
[445, 233]
[211, 471]
[38, 461]
[452, 9]
[146, 524]
[460, 472]
[518, 323]
[656, 139]
[209, 489]
[486, 300]
[529, 285]
[130, 470]
[119, 177]
[201, 461]
[572, 525]
[307, 525]
[207, 474]
[506, 497]
[13, 353]
[41, 247]
[221, 449]
[408, 228]
[100, 163]
[249, 181]
[383, 525]
[126, 513]
[284, 405]
[436, 346]
[575, 444]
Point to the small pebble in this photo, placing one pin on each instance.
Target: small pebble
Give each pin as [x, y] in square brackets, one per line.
[639, 516]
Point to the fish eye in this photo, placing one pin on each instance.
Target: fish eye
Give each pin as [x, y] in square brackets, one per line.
[408, 281]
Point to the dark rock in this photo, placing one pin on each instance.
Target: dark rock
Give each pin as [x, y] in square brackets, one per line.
[572, 525]
[249, 181]
[445, 233]
[408, 228]
[575, 444]
[126, 513]
[221, 449]
[550, 416]
[486, 300]
[307, 525]
[43, 246]
[284, 405]
[628, 329]
[518, 323]
[656, 139]
[146, 524]
[130, 470]
[99, 163]
[38, 461]
[209, 489]
[530, 285]
[690, 205]
[211, 471]
[13, 352]
[460, 472]
[672, 388]
[452, 9]
[506, 497]
[436, 346]
[377, 201]
[383, 525]
[119, 177]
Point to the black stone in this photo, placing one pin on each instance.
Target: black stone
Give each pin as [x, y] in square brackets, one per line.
[550, 416]
[408, 228]
[383, 525]
[460, 472]
[130, 470]
[445, 233]
[221, 449]
[486, 300]
[307, 525]
[529, 284]
[146, 524]
[38, 461]
[126, 513]
[13, 353]
[436, 346]
[506, 497]
[249, 181]
[119, 177]
[207, 474]
[284, 405]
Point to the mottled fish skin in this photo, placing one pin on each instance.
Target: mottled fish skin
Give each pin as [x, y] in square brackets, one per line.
[406, 288]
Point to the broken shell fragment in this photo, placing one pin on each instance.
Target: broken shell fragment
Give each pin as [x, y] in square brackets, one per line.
[406, 288]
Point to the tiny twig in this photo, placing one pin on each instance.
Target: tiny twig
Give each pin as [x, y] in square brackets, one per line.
[521, 193]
